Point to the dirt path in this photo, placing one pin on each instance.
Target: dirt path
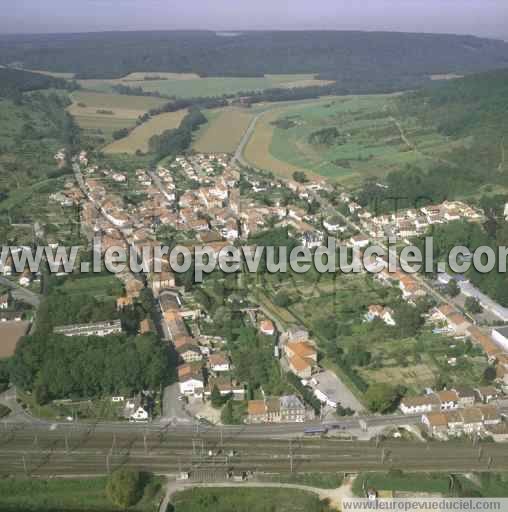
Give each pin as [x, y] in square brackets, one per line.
[335, 496]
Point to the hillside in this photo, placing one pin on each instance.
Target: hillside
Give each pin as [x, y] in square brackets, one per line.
[471, 114]
[15, 81]
[358, 61]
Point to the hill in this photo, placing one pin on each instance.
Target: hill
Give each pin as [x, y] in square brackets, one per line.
[16, 81]
[470, 112]
[358, 61]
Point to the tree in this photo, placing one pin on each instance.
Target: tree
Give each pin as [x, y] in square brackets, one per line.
[227, 416]
[124, 487]
[300, 177]
[381, 397]
[452, 288]
[281, 299]
[489, 375]
[472, 304]
[216, 397]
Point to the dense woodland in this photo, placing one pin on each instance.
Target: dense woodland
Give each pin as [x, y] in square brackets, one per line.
[356, 60]
[13, 82]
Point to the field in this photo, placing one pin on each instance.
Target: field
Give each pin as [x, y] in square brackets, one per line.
[65, 495]
[10, 334]
[253, 500]
[224, 130]
[138, 139]
[189, 85]
[367, 138]
[109, 112]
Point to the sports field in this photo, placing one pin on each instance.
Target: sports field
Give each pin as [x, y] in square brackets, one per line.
[139, 137]
[190, 85]
[342, 138]
[224, 130]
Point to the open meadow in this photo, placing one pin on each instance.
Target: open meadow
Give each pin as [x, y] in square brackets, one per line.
[138, 139]
[343, 138]
[224, 130]
[188, 85]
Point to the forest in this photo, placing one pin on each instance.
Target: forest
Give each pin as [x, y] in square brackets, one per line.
[356, 60]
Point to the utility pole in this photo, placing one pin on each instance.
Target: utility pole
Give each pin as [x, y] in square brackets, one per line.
[66, 443]
[290, 456]
[24, 465]
[144, 442]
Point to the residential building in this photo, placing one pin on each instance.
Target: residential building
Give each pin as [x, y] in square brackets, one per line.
[436, 423]
[300, 367]
[419, 404]
[448, 399]
[285, 409]
[466, 396]
[219, 362]
[500, 336]
[486, 394]
[267, 328]
[190, 380]
[190, 353]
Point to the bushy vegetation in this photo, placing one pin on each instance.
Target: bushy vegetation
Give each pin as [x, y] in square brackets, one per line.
[253, 500]
[173, 142]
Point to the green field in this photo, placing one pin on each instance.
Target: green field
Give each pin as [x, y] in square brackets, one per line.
[372, 139]
[66, 495]
[252, 500]
[188, 87]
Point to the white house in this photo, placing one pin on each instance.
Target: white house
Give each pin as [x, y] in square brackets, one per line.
[332, 224]
[360, 241]
[219, 362]
[312, 239]
[419, 404]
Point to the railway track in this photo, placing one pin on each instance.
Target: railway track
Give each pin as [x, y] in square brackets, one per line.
[35, 453]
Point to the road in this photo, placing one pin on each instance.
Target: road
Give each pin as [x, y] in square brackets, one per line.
[20, 293]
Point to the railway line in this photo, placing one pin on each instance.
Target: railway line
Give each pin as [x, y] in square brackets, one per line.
[34, 453]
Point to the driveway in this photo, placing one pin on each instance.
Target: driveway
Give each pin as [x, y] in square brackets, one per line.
[172, 408]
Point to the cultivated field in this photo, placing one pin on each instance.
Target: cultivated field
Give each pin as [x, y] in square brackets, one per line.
[139, 137]
[109, 112]
[187, 85]
[224, 130]
[370, 139]
[10, 334]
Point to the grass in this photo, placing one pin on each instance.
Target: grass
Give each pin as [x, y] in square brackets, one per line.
[371, 143]
[97, 286]
[66, 495]
[138, 139]
[319, 480]
[189, 86]
[224, 130]
[253, 500]
[405, 482]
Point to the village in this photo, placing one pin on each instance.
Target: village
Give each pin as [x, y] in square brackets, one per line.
[207, 200]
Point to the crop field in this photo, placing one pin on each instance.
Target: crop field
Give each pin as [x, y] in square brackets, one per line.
[343, 138]
[109, 112]
[10, 334]
[190, 85]
[138, 139]
[224, 130]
